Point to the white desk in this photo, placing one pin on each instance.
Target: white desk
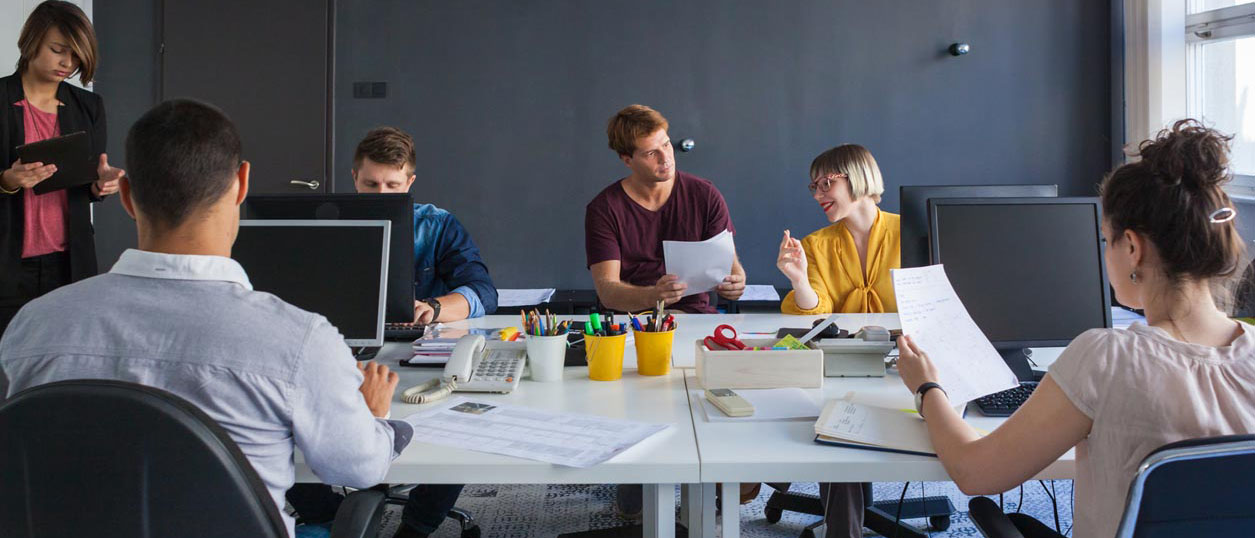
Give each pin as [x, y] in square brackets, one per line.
[785, 451]
[661, 461]
[693, 450]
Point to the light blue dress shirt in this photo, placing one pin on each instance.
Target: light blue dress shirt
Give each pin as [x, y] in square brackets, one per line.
[276, 377]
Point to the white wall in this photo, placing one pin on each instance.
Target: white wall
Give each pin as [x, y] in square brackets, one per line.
[12, 15]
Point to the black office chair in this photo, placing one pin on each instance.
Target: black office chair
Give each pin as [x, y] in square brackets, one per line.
[1244, 295]
[1196, 487]
[108, 458]
[883, 517]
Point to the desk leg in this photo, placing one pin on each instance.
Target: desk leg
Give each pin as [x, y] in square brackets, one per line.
[731, 510]
[698, 503]
[659, 511]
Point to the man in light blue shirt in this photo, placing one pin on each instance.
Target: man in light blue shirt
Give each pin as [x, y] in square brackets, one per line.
[180, 315]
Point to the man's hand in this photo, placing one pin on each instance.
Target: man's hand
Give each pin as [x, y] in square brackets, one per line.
[25, 176]
[914, 366]
[109, 177]
[378, 387]
[732, 288]
[423, 313]
[669, 289]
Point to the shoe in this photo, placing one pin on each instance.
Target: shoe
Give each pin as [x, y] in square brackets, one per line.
[750, 492]
[629, 499]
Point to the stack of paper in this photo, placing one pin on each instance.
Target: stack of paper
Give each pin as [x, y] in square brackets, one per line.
[844, 423]
[524, 297]
[433, 350]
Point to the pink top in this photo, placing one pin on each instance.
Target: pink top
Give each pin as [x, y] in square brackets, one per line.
[44, 231]
[1143, 390]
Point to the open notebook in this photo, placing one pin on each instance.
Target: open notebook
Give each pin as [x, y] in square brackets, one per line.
[844, 423]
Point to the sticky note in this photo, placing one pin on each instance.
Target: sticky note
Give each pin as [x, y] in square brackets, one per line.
[790, 342]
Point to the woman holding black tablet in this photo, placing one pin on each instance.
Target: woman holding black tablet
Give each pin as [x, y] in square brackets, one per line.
[46, 240]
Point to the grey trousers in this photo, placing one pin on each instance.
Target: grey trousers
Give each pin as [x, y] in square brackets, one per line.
[843, 509]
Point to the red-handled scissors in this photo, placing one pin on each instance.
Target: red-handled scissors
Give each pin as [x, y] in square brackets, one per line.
[721, 340]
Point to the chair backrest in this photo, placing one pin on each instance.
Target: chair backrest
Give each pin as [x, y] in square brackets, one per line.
[1197, 487]
[107, 458]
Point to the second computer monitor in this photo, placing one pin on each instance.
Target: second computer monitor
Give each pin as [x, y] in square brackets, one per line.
[333, 268]
[1029, 270]
[395, 208]
[914, 209]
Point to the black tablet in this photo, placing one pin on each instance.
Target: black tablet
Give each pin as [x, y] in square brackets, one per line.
[71, 153]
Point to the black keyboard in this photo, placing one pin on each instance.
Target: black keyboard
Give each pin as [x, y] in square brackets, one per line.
[1002, 404]
[403, 331]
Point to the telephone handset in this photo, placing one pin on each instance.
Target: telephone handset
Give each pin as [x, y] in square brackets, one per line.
[473, 366]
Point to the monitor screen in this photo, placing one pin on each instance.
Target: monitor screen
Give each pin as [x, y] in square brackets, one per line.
[333, 268]
[395, 208]
[914, 209]
[1029, 270]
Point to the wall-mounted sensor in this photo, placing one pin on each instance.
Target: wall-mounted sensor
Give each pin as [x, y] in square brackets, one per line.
[686, 145]
[959, 49]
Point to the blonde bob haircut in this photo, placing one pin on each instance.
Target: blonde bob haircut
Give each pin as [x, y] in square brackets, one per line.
[857, 164]
[72, 23]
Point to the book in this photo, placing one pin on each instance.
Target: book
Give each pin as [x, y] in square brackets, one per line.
[845, 423]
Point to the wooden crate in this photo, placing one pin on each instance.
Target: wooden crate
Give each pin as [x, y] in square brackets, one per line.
[768, 369]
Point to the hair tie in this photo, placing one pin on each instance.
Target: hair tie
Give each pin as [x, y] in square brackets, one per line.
[1222, 215]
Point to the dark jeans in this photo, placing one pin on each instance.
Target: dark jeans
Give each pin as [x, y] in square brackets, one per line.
[38, 275]
[424, 511]
[843, 509]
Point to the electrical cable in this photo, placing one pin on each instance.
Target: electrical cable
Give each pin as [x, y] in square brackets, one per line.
[897, 518]
[1053, 503]
[1020, 505]
[923, 502]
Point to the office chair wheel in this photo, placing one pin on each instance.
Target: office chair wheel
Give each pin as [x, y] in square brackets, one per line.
[472, 532]
[940, 523]
[773, 515]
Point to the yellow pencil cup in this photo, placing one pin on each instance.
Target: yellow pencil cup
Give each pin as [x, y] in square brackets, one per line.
[653, 352]
[605, 356]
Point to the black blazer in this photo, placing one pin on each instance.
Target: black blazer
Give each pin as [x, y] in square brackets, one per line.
[81, 111]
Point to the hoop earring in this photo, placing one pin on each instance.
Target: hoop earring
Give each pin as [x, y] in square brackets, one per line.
[1133, 277]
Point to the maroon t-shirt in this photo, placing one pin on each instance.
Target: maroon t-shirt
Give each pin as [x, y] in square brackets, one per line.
[618, 228]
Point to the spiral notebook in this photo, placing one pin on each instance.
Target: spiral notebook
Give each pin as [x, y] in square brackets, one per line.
[845, 423]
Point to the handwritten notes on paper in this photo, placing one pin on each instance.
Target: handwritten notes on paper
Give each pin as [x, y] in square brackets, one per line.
[934, 317]
[700, 264]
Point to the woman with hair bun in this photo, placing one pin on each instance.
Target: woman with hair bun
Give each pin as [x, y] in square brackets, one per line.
[1118, 394]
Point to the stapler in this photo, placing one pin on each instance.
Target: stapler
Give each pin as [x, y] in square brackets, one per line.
[861, 355]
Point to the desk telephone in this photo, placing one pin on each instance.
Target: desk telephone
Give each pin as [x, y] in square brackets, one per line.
[474, 366]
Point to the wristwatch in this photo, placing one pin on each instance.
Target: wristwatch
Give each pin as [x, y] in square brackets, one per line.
[919, 396]
[435, 307]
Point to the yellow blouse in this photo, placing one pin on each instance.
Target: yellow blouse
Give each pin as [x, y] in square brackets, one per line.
[837, 276]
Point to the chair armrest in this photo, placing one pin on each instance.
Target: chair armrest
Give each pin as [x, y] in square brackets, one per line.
[990, 520]
[359, 515]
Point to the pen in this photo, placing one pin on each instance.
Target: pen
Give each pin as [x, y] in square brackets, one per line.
[660, 313]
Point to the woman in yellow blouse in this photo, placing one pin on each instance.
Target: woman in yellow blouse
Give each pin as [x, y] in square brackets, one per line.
[844, 267]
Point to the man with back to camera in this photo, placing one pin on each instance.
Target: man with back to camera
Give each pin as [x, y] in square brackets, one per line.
[180, 315]
[625, 225]
[453, 283]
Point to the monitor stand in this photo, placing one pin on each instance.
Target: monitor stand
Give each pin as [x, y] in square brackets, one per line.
[1017, 359]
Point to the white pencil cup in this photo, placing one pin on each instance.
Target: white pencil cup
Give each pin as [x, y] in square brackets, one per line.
[546, 356]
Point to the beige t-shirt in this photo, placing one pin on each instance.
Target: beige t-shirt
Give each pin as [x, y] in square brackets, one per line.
[1143, 389]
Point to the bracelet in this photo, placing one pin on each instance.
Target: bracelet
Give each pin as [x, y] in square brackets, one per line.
[7, 191]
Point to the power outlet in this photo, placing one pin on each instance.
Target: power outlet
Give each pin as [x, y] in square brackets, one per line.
[370, 90]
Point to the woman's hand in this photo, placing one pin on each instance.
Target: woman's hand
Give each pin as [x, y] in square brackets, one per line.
[792, 259]
[914, 366]
[108, 177]
[25, 176]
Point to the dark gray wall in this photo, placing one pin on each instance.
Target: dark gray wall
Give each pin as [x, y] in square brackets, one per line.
[127, 80]
[508, 103]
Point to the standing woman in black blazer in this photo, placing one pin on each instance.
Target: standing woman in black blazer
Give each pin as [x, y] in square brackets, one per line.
[46, 241]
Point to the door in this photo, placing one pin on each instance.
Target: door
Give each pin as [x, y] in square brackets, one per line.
[266, 64]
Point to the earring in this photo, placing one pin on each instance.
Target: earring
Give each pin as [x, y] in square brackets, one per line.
[1133, 277]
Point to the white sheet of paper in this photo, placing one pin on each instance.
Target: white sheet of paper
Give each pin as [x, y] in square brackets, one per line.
[524, 297]
[560, 438]
[934, 317]
[760, 292]
[700, 264]
[769, 404]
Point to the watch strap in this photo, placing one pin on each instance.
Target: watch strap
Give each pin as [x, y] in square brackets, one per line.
[435, 307]
[919, 395]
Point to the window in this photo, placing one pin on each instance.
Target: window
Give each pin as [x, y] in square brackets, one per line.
[1220, 77]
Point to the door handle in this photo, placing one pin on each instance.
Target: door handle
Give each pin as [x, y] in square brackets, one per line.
[313, 184]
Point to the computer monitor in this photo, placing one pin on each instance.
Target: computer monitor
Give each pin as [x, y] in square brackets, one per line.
[396, 208]
[331, 267]
[1029, 270]
[914, 209]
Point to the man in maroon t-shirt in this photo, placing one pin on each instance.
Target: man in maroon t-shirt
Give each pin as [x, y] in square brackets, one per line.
[625, 225]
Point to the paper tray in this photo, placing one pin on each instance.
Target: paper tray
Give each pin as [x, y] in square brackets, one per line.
[768, 369]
